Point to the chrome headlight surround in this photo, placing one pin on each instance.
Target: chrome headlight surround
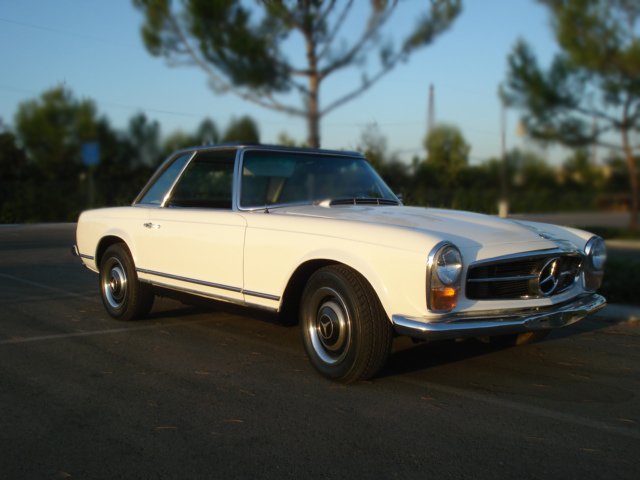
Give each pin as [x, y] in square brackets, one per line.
[444, 276]
[595, 253]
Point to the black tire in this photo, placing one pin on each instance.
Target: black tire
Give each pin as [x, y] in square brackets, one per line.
[123, 295]
[345, 331]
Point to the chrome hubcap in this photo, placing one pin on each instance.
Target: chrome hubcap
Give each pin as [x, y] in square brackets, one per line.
[330, 331]
[114, 285]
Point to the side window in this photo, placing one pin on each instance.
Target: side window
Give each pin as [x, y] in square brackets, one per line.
[158, 190]
[206, 183]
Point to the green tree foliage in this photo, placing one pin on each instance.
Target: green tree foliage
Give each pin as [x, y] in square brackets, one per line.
[52, 129]
[13, 161]
[45, 179]
[288, 141]
[244, 130]
[579, 172]
[42, 185]
[242, 51]
[14, 169]
[447, 153]
[596, 76]
[373, 144]
[207, 133]
[144, 136]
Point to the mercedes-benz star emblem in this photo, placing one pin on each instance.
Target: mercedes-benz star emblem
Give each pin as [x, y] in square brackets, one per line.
[326, 327]
[549, 277]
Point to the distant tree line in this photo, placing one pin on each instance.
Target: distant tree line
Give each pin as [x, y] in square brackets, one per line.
[44, 178]
[43, 175]
[444, 177]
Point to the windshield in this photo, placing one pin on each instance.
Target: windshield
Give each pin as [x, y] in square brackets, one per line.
[278, 178]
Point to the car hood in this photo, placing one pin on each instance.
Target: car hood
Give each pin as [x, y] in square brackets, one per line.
[458, 226]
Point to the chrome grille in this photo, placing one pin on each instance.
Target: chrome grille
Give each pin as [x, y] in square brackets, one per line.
[523, 277]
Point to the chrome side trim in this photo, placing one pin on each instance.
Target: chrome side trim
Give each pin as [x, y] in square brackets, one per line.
[207, 284]
[261, 295]
[480, 324]
[211, 296]
[190, 280]
[76, 253]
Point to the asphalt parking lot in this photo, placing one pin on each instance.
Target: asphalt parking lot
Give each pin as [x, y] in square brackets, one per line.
[211, 391]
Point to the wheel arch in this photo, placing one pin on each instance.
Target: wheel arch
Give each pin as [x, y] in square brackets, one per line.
[292, 295]
[105, 243]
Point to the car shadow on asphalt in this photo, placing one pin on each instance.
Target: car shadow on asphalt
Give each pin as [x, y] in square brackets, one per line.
[187, 306]
[408, 356]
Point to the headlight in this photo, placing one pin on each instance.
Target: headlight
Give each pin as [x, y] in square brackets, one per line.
[596, 253]
[448, 265]
[443, 282]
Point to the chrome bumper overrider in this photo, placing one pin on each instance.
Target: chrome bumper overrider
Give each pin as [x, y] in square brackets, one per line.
[499, 323]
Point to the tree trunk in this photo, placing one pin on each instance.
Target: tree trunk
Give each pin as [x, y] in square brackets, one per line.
[313, 115]
[633, 180]
[313, 95]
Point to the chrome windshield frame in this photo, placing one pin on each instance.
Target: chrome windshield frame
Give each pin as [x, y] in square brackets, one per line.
[311, 152]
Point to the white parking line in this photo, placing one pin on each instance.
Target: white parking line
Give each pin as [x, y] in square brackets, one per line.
[49, 288]
[524, 408]
[58, 336]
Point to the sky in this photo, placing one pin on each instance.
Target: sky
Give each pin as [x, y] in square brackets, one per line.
[94, 48]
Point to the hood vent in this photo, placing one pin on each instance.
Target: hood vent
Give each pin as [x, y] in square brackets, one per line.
[357, 201]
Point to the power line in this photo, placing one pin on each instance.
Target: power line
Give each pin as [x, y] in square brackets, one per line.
[63, 32]
[11, 88]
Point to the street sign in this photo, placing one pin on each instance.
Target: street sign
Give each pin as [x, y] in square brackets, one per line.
[91, 154]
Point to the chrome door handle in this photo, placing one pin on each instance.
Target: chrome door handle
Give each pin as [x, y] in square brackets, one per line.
[154, 226]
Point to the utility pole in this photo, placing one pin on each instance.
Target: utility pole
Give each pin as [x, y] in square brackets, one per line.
[431, 110]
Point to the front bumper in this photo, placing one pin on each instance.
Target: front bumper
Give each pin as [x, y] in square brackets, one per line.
[481, 324]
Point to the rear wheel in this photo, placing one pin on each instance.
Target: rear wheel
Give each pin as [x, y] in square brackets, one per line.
[345, 330]
[123, 295]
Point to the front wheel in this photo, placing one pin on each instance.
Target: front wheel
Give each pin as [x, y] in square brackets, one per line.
[345, 330]
[123, 295]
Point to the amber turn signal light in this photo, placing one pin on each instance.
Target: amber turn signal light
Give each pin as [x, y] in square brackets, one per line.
[444, 298]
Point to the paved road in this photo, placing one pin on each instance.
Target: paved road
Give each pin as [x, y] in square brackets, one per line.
[214, 392]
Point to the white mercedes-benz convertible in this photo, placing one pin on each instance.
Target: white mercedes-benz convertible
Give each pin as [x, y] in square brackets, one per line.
[319, 237]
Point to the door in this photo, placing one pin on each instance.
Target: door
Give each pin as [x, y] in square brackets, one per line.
[195, 241]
